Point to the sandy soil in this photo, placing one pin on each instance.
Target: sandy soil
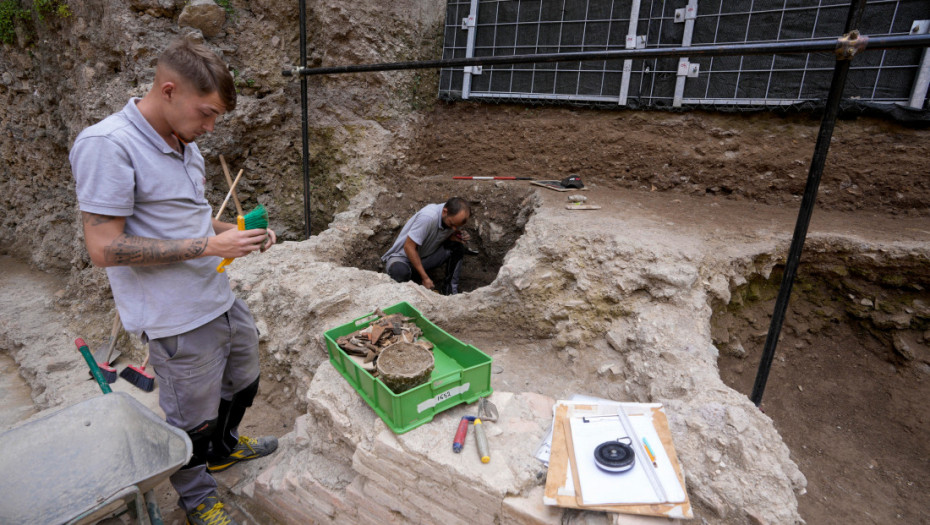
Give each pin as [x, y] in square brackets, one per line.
[855, 422]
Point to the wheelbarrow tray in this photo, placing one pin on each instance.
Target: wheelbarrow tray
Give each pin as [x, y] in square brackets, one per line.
[70, 465]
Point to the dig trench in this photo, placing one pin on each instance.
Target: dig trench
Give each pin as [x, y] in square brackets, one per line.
[499, 213]
[849, 383]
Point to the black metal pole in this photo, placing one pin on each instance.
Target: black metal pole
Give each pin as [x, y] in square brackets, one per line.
[715, 50]
[304, 124]
[807, 207]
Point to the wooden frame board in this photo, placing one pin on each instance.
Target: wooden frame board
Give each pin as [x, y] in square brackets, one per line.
[562, 483]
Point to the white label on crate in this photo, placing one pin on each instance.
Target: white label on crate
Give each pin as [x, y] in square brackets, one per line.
[430, 403]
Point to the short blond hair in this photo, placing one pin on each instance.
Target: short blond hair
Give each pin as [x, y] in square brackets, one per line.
[200, 66]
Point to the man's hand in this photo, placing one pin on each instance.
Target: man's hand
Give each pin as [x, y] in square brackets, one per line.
[233, 243]
[410, 250]
[268, 240]
[461, 236]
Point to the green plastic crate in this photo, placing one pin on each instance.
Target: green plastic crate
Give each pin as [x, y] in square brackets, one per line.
[462, 374]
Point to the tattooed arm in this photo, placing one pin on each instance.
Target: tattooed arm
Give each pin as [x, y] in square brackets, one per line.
[109, 245]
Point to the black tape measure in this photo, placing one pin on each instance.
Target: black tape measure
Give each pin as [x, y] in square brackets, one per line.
[615, 456]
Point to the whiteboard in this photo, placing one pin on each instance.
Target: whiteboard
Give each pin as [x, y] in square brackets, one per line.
[631, 487]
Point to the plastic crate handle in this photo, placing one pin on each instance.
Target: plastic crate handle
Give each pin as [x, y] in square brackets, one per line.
[368, 318]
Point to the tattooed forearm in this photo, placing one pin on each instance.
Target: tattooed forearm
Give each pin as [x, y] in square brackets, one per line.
[129, 250]
[92, 219]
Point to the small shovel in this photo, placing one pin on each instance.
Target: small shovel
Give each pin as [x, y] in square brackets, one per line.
[107, 354]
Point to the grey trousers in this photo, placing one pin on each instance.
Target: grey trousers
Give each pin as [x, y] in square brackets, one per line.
[400, 269]
[195, 370]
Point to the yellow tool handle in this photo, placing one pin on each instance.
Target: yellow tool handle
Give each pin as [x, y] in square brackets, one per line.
[482, 440]
[240, 225]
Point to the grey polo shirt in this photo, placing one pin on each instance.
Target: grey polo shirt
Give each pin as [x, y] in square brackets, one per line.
[425, 229]
[122, 167]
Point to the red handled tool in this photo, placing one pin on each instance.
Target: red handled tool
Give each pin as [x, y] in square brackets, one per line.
[460, 433]
[493, 178]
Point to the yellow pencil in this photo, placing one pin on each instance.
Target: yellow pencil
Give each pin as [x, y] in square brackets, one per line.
[652, 456]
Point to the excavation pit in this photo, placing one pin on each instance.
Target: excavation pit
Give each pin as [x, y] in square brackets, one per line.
[500, 211]
[849, 380]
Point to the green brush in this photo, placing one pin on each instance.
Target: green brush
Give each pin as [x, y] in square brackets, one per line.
[255, 219]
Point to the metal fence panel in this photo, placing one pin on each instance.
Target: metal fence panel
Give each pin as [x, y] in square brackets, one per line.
[521, 27]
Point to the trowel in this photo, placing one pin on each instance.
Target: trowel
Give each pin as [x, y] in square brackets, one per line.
[487, 411]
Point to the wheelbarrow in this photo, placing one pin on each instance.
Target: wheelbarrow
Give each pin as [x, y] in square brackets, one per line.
[88, 461]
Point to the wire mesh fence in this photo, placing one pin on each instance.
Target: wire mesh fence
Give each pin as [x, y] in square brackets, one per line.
[481, 28]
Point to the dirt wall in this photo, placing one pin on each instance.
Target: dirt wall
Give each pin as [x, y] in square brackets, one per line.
[68, 72]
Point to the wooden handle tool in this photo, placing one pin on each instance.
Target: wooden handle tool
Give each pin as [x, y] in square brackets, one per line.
[229, 194]
[231, 187]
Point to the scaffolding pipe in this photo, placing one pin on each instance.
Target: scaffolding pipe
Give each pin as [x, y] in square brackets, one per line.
[715, 50]
[807, 206]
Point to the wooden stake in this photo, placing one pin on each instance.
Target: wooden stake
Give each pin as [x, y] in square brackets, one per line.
[229, 194]
[231, 187]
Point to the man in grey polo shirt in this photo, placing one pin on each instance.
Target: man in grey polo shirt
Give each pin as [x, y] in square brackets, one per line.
[430, 238]
[140, 187]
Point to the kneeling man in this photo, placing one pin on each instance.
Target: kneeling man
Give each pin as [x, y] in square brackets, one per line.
[430, 238]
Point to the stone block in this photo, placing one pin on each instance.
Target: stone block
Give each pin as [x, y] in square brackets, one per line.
[528, 509]
[370, 504]
[288, 508]
[204, 15]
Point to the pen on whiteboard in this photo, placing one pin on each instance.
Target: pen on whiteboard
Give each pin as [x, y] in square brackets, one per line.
[649, 451]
